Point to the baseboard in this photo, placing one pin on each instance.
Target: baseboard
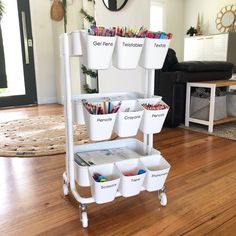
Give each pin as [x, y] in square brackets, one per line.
[47, 100]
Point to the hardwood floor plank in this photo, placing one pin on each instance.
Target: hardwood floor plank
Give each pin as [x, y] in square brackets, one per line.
[201, 191]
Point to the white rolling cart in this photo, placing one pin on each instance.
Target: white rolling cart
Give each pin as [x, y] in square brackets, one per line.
[72, 44]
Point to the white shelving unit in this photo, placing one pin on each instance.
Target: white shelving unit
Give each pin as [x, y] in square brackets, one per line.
[72, 44]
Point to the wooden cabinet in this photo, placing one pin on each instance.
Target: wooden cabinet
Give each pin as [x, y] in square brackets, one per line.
[218, 47]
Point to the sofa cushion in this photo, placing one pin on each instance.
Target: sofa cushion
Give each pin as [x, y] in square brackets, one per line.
[203, 66]
[185, 77]
[170, 60]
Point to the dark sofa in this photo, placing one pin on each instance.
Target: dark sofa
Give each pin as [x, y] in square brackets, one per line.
[170, 82]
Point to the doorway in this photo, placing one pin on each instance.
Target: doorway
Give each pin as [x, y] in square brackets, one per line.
[18, 55]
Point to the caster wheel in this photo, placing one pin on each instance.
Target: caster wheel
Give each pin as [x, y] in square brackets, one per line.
[84, 219]
[163, 199]
[65, 190]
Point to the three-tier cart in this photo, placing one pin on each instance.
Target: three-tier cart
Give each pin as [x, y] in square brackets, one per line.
[123, 154]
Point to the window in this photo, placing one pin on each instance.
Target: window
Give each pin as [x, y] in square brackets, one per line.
[156, 15]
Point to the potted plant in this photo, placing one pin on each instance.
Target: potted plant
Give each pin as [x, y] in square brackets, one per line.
[191, 31]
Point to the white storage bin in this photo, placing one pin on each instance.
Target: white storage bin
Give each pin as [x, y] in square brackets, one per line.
[135, 148]
[77, 106]
[78, 113]
[128, 122]
[154, 53]
[153, 120]
[127, 52]
[99, 127]
[130, 185]
[98, 50]
[75, 43]
[157, 169]
[104, 191]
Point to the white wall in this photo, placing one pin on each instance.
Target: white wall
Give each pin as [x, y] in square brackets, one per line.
[137, 13]
[134, 14]
[43, 51]
[74, 22]
[179, 16]
[207, 10]
[174, 23]
[46, 49]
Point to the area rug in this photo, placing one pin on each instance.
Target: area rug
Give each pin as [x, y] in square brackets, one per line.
[39, 136]
[227, 130]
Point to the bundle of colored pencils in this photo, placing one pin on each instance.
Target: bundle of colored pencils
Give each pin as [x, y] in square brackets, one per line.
[102, 31]
[101, 108]
[131, 32]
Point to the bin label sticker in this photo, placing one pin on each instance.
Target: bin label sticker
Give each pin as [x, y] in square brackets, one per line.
[107, 44]
[158, 175]
[132, 44]
[105, 119]
[159, 45]
[132, 117]
[134, 180]
[157, 115]
[108, 186]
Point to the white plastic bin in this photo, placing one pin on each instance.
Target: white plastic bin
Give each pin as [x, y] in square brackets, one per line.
[157, 169]
[75, 43]
[153, 120]
[99, 127]
[104, 191]
[128, 122]
[78, 113]
[154, 53]
[98, 50]
[130, 185]
[127, 52]
[128, 148]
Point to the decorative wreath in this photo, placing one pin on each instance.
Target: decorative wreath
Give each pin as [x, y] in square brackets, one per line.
[226, 19]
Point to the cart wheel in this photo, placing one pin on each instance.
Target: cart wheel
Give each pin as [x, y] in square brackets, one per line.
[65, 190]
[163, 199]
[84, 219]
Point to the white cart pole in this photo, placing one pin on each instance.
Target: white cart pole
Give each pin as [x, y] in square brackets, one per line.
[64, 54]
[145, 136]
[149, 92]
[64, 40]
[151, 79]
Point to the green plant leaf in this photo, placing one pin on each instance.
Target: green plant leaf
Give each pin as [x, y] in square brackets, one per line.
[91, 73]
[87, 17]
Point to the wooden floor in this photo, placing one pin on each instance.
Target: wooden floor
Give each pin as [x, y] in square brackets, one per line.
[201, 190]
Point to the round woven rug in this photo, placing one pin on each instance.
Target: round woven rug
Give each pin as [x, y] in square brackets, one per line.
[39, 136]
[227, 130]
